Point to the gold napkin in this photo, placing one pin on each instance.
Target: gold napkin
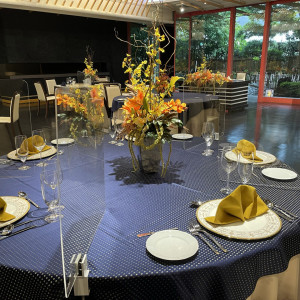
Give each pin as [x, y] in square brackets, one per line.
[244, 147]
[242, 204]
[31, 149]
[4, 216]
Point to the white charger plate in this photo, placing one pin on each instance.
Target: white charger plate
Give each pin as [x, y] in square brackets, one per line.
[267, 158]
[62, 141]
[172, 245]
[279, 173]
[261, 227]
[182, 136]
[16, 206]
[47, 153]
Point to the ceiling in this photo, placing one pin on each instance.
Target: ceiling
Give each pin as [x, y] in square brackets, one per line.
[125, 10]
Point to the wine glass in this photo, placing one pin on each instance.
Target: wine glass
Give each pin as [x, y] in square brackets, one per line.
[39, 142]
[50, 192]
[208, 132]
[119, 129]
[228, 165]
[21, 143]
[113, 131]
[245, 166]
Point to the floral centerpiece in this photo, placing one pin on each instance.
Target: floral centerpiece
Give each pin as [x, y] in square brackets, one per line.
[163, 83]
[82, 109]
[204, 78]
[147, 117]
[89, 71]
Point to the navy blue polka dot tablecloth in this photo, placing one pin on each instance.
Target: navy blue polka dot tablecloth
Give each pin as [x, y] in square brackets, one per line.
[120, 267]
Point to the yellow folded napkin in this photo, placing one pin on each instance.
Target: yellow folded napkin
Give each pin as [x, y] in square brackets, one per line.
[245, 147]
[31, 149]
[242, 204]
[4, 216]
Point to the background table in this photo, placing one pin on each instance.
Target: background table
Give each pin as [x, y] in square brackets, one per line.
[120, 266]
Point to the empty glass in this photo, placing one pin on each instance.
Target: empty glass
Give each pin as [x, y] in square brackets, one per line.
[228, 165]
[21, 144]
[208, 132]
[113, 131]
[39, 142]
[245, 166]
[50, 192]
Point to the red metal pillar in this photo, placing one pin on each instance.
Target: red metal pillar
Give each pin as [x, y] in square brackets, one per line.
[231, 41]
[264, 52]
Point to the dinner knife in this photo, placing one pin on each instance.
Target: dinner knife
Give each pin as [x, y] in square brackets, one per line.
[151, 232]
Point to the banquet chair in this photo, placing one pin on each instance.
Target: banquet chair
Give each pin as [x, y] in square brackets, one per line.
[51, 83]
[112, 90]
[241, 76]
[42, 97]
[13, 117]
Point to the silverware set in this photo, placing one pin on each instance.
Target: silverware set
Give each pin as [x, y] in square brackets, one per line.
[282, 212]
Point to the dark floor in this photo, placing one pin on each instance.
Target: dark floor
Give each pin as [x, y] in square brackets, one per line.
[274, 128]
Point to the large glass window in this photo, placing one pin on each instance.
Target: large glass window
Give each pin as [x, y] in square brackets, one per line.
[182, 46]
[138, 38]
[249, 28]
[210, 34]
[283, 61]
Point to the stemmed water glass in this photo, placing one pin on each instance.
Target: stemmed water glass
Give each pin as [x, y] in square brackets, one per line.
[21, 144]
[39, 142]
[113, 131]
[245, 166]
[50, 192]
[228, 165]
[208, 132]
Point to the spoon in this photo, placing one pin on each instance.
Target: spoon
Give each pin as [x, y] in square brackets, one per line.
[195, 203]
[284, 211]
[24, 195]
[280, 213]
[193, 231]
[198, 228]
[9, 228]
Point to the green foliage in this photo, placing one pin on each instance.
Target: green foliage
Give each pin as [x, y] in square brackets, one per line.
[288, 89]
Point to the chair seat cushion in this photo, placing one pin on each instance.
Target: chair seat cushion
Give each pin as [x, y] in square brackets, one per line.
[5, 120]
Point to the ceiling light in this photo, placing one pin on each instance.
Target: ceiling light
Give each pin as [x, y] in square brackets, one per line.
[181, 8]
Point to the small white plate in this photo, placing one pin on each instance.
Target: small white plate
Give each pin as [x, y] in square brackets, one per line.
[279, 173]
[62, 141]
[266, 157]
[182, 136]
[172, 245]
[47, 153]
[16, 206]
[261, 227]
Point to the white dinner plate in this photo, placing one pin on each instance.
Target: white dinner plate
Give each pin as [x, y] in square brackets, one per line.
[62, 141]
[261, 227]
[16, 206]
[279, 173]
[182, 136]
[47, 153]
[172, 245]
[267, 158]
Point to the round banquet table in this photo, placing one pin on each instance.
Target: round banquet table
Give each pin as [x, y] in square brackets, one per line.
[120, 267]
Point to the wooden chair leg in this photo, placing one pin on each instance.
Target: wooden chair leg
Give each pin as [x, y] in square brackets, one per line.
[10, 136]
[19, 125]
[47, 107]
[39, 108]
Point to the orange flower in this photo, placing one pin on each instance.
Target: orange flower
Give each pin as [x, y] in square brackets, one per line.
[134, 103]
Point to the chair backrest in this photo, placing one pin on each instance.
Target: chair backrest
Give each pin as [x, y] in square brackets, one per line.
[111, 91]
[14, 107]
[51, 83]
[40, 91]
[241, 76]
[80, 76]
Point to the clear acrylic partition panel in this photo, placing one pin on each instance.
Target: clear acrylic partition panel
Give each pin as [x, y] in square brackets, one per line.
[80, 120]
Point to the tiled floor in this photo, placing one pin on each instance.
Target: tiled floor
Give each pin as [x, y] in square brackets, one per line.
[274, 128]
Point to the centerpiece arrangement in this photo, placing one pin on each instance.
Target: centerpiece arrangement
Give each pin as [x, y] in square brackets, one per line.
[204, 79]
[147, 117]
[89, 72]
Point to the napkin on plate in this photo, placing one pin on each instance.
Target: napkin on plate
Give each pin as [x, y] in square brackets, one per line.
[4, 216]
[244, 147]
[31, 149]
[242, 204]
